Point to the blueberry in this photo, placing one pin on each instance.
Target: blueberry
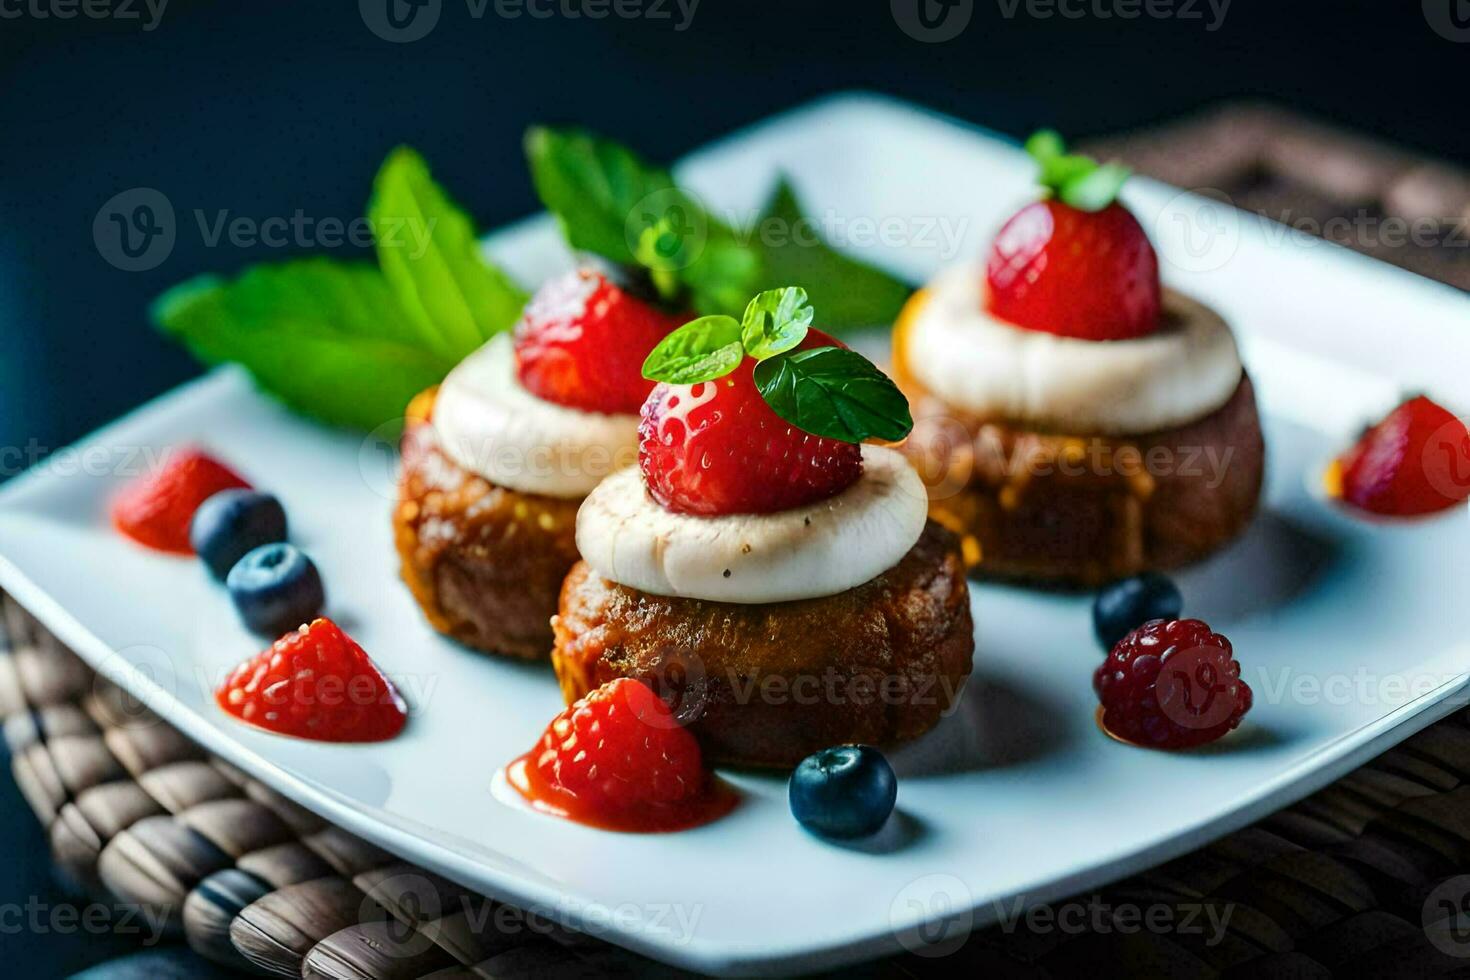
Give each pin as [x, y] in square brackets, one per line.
[845, 791]
[232, 522]
[1127, 604]
[276, 588]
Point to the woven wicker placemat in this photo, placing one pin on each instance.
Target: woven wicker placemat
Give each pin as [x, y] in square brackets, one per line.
[1363, 878]
[1360, 192]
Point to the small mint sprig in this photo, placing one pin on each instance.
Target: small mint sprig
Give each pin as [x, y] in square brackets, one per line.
[831, 392]
[1077, 180]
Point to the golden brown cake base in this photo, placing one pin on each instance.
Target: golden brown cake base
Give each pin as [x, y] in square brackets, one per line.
[485, 563]
[1084, 511]
[767, 685]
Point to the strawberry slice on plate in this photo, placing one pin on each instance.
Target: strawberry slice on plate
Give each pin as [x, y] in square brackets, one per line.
[1415, 462]
[315, 683]
[618, 759]
[156, 511]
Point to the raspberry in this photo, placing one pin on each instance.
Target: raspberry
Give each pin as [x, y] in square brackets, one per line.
[156, 511]
[315, 683]
[718, 448]
[582, 341]
[617, 757]
[1171, 684]
[1086, 274]
[1416, 461]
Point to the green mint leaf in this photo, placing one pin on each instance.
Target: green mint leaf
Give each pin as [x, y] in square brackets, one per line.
[1058, 171]
[1096, 189]
[835, 393]
[660, 250]
[1045, 144]
[430, 254]
[611, 202]
[702, 350]
[724, 277]
[775, 321]
[597, 190]
[328, 339]
[850, 293]
[1076, 179]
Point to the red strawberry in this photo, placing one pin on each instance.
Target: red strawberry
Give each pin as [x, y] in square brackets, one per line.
[1086, 274]
[582, 341]
[1416, 461]
[315, 683]
[619, 759]
[1171, 684]
[156, 510]
[718, 448]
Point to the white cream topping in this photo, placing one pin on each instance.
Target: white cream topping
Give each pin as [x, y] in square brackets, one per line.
[817, 550]
[981, 364]
[490, 425]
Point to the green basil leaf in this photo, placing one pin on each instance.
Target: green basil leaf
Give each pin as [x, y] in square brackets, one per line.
[1045, 144]
[660, 250]
[724, 277]
[1078, 180]
[594, 187]
[329, 339]
[607, 199]
[850, 293]
[610, 201]
[702, 350]
[1056, 172]
[1096, 189]
[835, 393]
[430, 255]
[775, 321]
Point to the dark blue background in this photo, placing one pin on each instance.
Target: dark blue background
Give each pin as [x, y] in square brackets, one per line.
[264, 107]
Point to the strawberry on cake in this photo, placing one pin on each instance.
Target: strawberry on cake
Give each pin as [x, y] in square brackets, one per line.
[764, 567]
[496, 461]
[1077, 421]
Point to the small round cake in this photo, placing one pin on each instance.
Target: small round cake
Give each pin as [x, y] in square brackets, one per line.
[1076, 422]
[781, 587]
[497, 460]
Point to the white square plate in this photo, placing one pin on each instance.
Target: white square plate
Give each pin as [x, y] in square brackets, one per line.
[1352, 634]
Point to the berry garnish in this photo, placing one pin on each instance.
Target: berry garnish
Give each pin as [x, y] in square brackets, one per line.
[316, 683]
[619, 759]
[233, 522]
[717, 448]
[1416, 461]
[760, 415]
[275, 588]
[846, 791]
[1123, 606]
[1171, 684]
[582, 341]
[156, 511]
[1077, 264]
